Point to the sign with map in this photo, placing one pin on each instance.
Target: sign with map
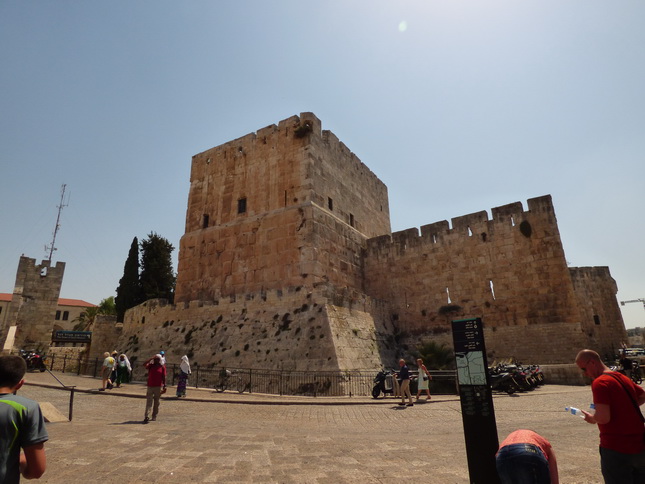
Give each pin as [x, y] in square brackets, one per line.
[477, 412]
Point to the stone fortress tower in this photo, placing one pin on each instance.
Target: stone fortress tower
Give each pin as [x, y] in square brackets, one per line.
[28, 322]
[288, 261]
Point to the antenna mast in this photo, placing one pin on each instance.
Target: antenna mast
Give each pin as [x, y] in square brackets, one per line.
[51, 248]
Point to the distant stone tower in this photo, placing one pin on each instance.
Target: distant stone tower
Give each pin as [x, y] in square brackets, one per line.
[29, 319]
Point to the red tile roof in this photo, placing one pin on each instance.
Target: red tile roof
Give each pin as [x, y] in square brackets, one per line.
[75, 302]
[61, 302]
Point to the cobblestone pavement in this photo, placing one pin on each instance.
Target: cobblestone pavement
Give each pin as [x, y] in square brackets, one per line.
[213, 437]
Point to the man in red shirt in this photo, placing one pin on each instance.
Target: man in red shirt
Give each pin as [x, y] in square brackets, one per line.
[156, 386]
[617, 400]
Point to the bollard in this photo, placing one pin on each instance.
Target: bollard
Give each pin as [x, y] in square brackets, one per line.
[71, 403]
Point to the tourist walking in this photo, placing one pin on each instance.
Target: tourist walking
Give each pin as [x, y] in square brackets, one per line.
[620, 421]
[184, 371]
[115, 355]
[424, 380]
[106, 369]
[156, 385]
[404, 377]
[123, 370]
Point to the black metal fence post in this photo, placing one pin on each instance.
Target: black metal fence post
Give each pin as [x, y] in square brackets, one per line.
[71, 402]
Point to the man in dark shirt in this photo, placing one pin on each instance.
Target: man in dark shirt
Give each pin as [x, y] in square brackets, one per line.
[156, 386]
[404, 377]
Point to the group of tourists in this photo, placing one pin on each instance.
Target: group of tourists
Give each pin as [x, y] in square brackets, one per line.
[402, 382]
[116, 370]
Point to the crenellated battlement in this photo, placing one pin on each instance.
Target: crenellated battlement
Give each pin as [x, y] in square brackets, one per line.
[463, 227]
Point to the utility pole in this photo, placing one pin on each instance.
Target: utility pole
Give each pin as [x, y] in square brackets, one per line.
[51, 248]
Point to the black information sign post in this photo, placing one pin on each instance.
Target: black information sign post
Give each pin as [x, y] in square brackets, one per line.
[478, 415]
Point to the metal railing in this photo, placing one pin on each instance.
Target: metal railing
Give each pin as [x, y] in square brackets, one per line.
[273, 382]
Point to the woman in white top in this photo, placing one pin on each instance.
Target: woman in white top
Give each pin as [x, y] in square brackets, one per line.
[424, 379]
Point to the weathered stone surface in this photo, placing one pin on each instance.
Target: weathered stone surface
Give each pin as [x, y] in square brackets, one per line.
[288, 261]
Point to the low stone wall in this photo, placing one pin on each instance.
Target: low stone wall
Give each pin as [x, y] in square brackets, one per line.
[563, 375]
[65, 358]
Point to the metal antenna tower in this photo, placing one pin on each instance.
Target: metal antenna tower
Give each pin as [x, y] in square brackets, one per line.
[51, 248]
[622, 303]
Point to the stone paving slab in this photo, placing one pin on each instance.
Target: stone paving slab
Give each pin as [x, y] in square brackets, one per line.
[214, 438]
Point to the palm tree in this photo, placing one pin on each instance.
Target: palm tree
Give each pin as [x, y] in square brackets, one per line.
[436, 356]
[86, 319]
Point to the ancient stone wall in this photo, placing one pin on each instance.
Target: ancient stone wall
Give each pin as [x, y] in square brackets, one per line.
[291, 330]
[603, 323]
[106, 336]
[510, 271]
[34, 302]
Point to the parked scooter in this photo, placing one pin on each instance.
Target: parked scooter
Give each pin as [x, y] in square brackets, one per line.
[502, 380]
[34, 360]
[637, 376]
[383, 383]
[634, 374]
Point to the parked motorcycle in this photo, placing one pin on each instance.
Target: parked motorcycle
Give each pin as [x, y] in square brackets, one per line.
[502, 380]
[637, 376]
[34, 360]
[383, 383]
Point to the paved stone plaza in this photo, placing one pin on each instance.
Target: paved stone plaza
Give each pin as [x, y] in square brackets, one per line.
[242, 438]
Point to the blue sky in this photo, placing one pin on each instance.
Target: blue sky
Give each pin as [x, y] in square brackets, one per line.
[457, 105]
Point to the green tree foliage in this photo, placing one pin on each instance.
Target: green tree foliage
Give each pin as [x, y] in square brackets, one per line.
[86, 319]
[436, 356]
[157, 276]
[129, 292]
[107, 306]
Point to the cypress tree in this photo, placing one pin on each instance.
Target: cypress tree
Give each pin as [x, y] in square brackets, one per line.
[157, 277]
[129, 292]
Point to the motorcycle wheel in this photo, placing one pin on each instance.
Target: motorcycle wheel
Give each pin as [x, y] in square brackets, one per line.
[42, 369]
[376, 392]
